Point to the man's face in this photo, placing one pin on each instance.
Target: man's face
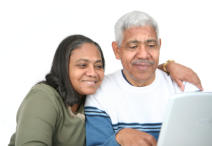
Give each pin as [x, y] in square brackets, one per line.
[139, 54]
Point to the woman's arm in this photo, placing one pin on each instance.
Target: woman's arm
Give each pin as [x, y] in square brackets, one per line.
[180, 73]
[36, 120]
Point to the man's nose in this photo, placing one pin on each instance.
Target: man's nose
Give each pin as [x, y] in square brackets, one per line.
[142, 52]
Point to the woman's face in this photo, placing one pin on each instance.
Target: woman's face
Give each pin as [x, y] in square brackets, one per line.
[86, 70]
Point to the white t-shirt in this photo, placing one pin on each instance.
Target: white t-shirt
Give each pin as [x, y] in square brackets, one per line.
[128, 106]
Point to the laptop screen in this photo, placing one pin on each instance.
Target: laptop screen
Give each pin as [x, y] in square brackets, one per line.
[188, 120]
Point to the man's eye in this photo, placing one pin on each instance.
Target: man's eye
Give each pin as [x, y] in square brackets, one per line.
[133, 46]
[152, 45]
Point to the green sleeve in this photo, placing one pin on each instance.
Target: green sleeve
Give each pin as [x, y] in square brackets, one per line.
[36, 119]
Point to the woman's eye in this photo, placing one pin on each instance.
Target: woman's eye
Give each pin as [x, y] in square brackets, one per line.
[99, 66]
[82, 65]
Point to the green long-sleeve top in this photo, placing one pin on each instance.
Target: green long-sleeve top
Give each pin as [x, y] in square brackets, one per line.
[44, 120]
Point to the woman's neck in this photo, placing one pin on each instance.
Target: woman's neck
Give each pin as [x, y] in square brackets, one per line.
[74, 108]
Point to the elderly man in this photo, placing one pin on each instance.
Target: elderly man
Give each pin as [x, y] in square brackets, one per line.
[128, 108]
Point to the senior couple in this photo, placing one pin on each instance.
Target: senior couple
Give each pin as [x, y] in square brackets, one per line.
[126, 109]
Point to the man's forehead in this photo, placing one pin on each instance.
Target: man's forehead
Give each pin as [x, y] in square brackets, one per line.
[140, 32]
[147, 40]
[140, 29]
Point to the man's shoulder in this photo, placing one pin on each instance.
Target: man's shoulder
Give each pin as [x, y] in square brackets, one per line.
[109, 80]
[164, 77]
[113, 75]
[161, 76]
[165, 81]
[162, 73]
[106, 92]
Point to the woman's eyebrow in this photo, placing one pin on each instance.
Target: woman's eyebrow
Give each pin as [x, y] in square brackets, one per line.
[87, 60]
[99, 61]
[84, 60]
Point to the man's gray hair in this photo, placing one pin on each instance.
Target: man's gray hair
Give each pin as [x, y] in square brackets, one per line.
[133, 19]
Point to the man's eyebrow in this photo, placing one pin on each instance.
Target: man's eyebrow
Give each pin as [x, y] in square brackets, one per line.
[147, 41]
[133, 42]
[151, 40]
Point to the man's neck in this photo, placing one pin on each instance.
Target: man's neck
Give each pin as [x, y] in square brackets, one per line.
[136, 83]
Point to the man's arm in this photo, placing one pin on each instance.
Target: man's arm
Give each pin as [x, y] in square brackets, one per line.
[180, 73]
[129, 137]
[99, 130]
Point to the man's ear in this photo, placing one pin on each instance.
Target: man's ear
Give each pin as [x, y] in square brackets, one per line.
[116, 49]
[159, 43]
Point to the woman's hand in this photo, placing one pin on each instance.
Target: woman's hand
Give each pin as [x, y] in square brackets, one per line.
[180, 73]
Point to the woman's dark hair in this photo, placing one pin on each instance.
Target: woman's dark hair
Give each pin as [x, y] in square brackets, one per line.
[58, 77]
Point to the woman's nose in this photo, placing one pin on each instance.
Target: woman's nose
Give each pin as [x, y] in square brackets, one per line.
[91, 71]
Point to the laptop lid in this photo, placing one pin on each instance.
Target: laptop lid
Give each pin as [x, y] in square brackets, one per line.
[188, 120]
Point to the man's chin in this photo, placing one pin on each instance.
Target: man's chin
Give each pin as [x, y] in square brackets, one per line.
[145, 79]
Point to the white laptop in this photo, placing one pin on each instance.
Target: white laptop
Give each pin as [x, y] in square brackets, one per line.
[188, 120]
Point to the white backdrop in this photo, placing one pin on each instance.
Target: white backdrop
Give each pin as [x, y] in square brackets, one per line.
[30, 32]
